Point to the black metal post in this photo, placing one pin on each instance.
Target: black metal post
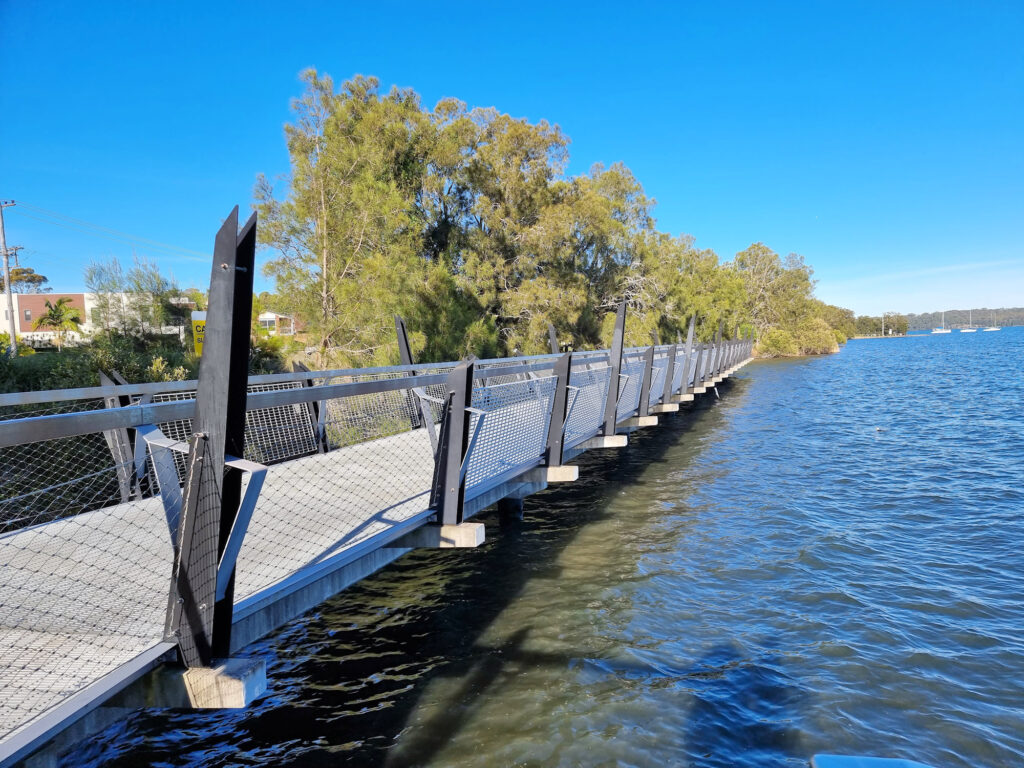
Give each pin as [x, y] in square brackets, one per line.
[405, 358]
[559, 406]
[119, 443]
[721, 355]
[220, 418]
[612, 403]
[644, 408]
[189, 618]
[687, 386]
[670, 373]
[703, 359]
[313, 408]
[553, 340]
[448, 489]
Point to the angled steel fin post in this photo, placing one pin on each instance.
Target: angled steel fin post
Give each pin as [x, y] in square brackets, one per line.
[119, 443]
[188, 622]
[405, 358]
[670, 373]
[448, 489]
[644, 407]
[559, 410]
[615, 360]
[553, 340]
[690, 369]
[316, 410]
[220, 417]
[720, 349]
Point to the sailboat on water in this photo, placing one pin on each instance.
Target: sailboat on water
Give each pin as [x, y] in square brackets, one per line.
[992, 327]
[970, 323]
[943, 329]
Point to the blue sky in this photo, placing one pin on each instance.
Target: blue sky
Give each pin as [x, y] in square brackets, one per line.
[884, 141]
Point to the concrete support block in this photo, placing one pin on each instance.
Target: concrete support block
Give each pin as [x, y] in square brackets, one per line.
[683, 398]
[232, 684]
[665, 408]
[434, 536]
[606, 441]
[639, 421]
[700, 390]
[563, 473]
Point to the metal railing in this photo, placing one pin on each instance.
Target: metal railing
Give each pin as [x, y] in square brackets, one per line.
[122, 529]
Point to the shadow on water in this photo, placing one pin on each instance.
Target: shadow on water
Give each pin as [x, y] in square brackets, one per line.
[346, 680]
[743, 712]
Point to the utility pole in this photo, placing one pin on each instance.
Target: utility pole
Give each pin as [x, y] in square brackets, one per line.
[11, 329]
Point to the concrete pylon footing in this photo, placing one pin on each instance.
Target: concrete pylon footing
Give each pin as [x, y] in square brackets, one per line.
[639, 421]
[562, 473]
[665, 408]
[605, 441]
[434, 536]
[232, 684]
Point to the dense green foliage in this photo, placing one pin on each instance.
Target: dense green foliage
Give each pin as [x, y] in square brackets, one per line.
[25, 280]
[891, 323]
[465, 222]
[137, 358]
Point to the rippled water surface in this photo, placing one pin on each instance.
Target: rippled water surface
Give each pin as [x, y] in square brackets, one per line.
[829, 558]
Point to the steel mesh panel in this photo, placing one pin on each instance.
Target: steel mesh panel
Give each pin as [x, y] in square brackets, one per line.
[587, 414]
[82, 594]
[33, 476]
[271, 434]
[658, 371]
[514, 433]
[678, 372]
[375, 475]
[629, 397]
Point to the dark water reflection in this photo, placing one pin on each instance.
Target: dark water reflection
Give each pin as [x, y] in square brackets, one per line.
[826, 559]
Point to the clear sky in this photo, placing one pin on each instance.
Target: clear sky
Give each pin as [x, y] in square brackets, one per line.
[882, 140]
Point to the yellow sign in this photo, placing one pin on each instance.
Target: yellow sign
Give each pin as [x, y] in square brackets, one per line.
[198, 331]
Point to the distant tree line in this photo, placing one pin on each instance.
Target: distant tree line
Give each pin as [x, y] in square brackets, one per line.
[892, 324]
[465, 222]
[959, 318]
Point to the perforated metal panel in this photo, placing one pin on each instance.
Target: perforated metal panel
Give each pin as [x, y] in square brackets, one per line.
[679, 371]
[587, 414]
[513, 436]
[658, 371]
[629, 396]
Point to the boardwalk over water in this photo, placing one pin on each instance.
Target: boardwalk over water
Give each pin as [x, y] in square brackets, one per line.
[85, 590]
[128, 542]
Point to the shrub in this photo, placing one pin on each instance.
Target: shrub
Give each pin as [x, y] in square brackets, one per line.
[815, 337]
[840, 336]
[777, 343]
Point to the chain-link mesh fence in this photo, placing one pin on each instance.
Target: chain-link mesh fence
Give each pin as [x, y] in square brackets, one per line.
[87, 521]
[85, 574]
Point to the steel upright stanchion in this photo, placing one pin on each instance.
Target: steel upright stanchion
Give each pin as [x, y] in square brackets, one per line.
[614, 387]
[213, 491]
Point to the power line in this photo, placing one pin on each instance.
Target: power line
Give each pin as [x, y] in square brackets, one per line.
[80, 225]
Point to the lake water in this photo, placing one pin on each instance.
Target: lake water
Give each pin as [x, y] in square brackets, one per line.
[828, 558]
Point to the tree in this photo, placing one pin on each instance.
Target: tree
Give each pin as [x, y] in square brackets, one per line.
[25, 280]
[138, 300]
[465, 222]
[348, 235]
[60, 318]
